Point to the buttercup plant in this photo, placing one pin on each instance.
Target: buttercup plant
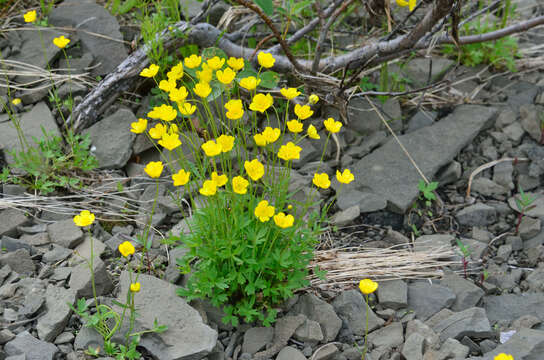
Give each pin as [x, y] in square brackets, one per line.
[367, 287]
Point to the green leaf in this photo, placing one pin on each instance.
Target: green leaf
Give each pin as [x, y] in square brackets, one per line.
[269, 79]
[267, 6]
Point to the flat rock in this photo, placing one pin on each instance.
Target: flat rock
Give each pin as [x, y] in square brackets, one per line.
[487, 187]
[524, 344]
[256, 339]
[365, 121]
[413, 347]
[388, 337]
[65, 233]
[365, 201]
[290, 353]
[80, 280]
[56, 254]
[467, 294]
[351, 308]
[393, 294]
[53, 322]
[417, 70]
[309, 332]
[345, 217]
[10, 219]
[320, 311]
[187, 336]
[387, 171]
[112, 139]
[477, 215]
[428, 299]
[417, 326]
[83, 250]
[509, 307]
[32, 348]
[471, 322]
[19, 261]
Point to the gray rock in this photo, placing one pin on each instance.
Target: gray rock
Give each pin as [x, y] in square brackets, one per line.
[467, 294]
[530, 120]
[309, 332]
[53, 322]
[157, 300]
[503, 253]
[351, 308]
[527, 321]
[63, 338]
[505, 118]
[364, 120]
[535, 279]
[421, 119]
[57, 253]
[418, 327]
[88, 337]
[449, 174]
[502, 174]
[172, 273]
[76, 65]
[509, 307]
[290, 353]
[31, 124]
[524, 344]
[395, 238]
[320, 311]
[8, 244]
[112, 139]
[476, 248]
[61, 273]
[527, 182]
[432, 242]
[19, 261]
[34, 299]
[393, 294]
[36, 239]
[83, 250]
[256, 338]
[514, 132]
[389, 174]
[477, 215]
[521, 93]
[487, 187]
[80, 280]
[417, 69]
[345, 217]
[10, 218]
[88, 18]
[5, 336]
[65, 233]
[428, 299]
[326, 352]
[451, 349]
[32, 348]
[366, 201]
[387, 337]
[529, 227]
[471, 322]
[5, 271]
[413, 347]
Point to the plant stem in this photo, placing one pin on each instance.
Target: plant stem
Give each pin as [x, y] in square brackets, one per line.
[366, 329]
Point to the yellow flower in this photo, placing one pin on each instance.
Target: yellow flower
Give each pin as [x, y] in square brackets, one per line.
[150, 71]
[284, 221]
[209, 188]
[139, 126]
[126, 248]
[186, 108]
[271, 135]
[236, 63]
[176, 73]
[254, 168]
[206, 75]
[16, 101]
[367, 286]
[30, 16]
[289, 151]
[260, 140]
[225, 76]
[250, 83]
[211, 148]
[219, 180]
[135, 287]
[263, 211]
[163, 112]
[321, 180]
[261, 102]
[266, 60]
[313, 99]
[154, 169]
[178, 95]
[294, 126]
[85, 218]
[157, 131]
[312, 132]
[226, 142]
[181, 177]
[332, 125]
[290, 93]
[61, 41]
[346, 177]
[167, 85]
[193, 61]
[170, 141]
[303, 111]
[239, 185]
[503, 356]
[173, 129]
[235, 109]
[202, 89]
[216, 63]
[410, 3]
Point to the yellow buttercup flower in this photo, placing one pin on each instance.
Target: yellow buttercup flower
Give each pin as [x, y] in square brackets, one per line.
[206, 75]
[170, 141]
[193, 61]
[260, 140]
[266, 60]
[225, 76]
[313, 99]
[290, 93]
[254, 168]
[135, 287]
[181, 177]
[332, 125]
[176, 72]
[312, 132]
[261, 102]
[303, 111]
[226, 142]
[321, 180]
[157, 131]
[167, 85]
[239, 185]
[139, 126]
[61, 42]
[209, 188]
[220, 180]
[150, 71]
[235, 109]
[30, 16]
[250, 83]
[186, 108]
[367, 286]
[346, 177]
[284, 221]
[173, 129]
[163, 112]
[154, 169]
[271, 135]
[294, 126]
[126, 248]
[410, 3]
[16, 101]
[236, 63]
[264, 211]
[178, 95]
[202, 89]
[216, 63]
[85, 218]
[211, 148]
[503, 356]
[289, 151]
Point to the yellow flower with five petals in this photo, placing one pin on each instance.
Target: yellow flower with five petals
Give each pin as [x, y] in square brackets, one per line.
[178, 95]
[61, 41]
[126, 248]
[332, 125]
[250, 83]
[202, 89]
[284, 221]
[236, 63]
[290, 93]
[139, 126]
[254, 168]
[312, 133]
[289, 151]
[181, 177]
[157, 131]
[264, 211]
[266, 60]
[211, 148]
[225, 76]
[235, 109]
[321, 180]
[186, 108]
[220, 180]
[226, 142]
[261, 102]
[30, 16]
[192, 61]
[239, 185]
[85, 218]
[154, 169]
[216, 63]
[150, 71]
[344, 177]
[367, 286]
[170, 141]
[410, 3]
[209, 188]
[303, 111]
[294, 126]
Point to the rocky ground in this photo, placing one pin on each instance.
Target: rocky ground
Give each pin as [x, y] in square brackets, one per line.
[498, 307]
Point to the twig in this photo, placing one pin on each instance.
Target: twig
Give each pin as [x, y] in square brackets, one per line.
[400, 93]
